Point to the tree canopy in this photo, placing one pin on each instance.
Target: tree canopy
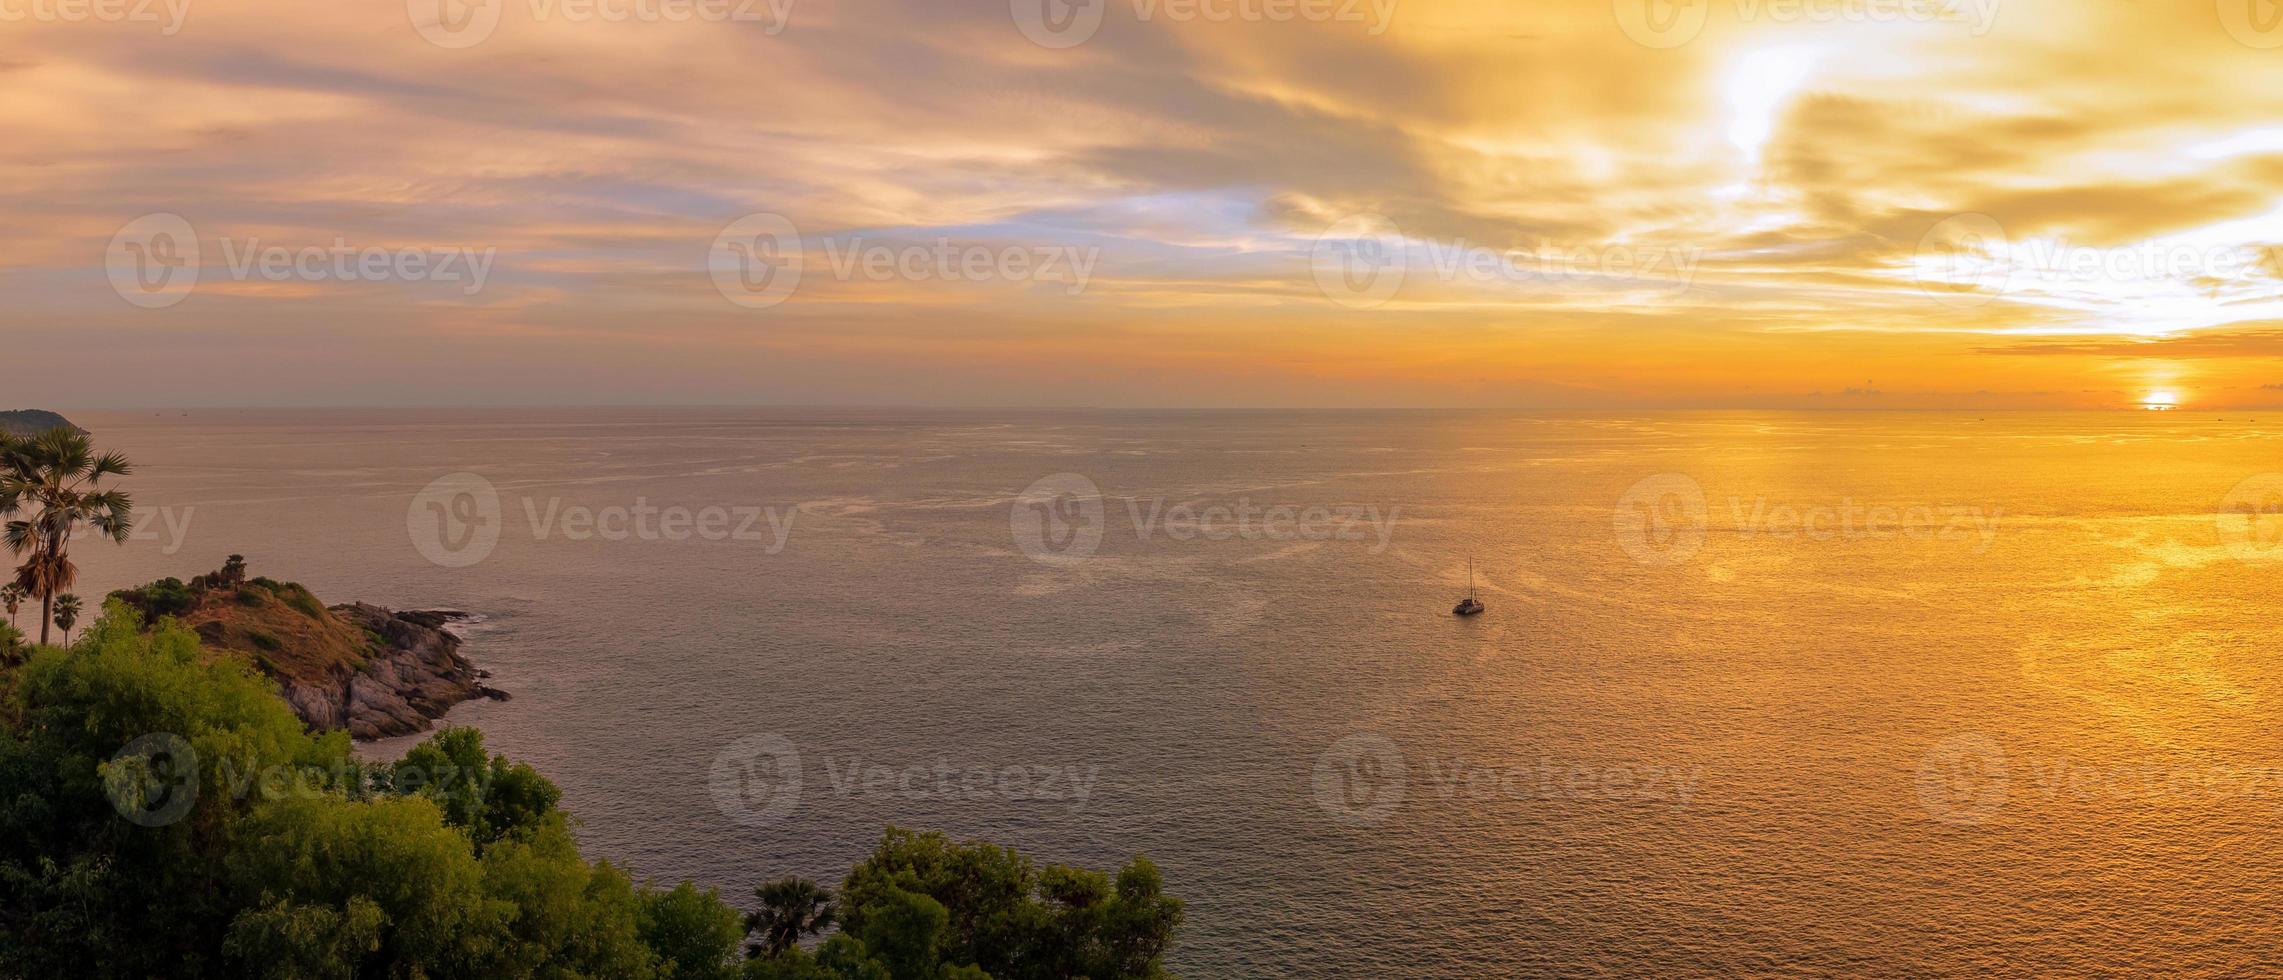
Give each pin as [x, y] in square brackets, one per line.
[164, 814]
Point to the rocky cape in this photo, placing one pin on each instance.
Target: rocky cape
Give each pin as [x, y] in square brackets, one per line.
[414, 675]
[372, 671]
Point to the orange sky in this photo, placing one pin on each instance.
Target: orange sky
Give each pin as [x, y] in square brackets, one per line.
[1776, 203]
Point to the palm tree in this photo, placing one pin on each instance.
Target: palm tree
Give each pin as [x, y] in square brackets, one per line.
[11, 595]
[66, 614]
[57, 474]
[790, 908]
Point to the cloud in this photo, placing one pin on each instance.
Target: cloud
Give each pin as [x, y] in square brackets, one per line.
[1202, 158]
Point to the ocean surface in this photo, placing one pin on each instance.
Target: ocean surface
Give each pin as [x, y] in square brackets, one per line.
[1808, 693]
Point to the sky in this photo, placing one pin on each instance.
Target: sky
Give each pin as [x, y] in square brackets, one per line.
[1640, 204]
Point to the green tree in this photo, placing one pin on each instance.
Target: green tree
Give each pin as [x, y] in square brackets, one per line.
[12, 595]
[840, 957]
[791, 908]
[693, 932]
[58, 476]
[66, 615]
[163, 813]
[1007, 918]
[488, 796]
[907, 932]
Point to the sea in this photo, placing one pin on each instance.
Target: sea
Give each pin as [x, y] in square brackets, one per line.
[1818, 693]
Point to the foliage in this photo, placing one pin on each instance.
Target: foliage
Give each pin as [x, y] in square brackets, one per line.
[924, 908]
[1005, 917]
[165, 597]
[246, 846]
[693, 932]
[791, 908]
[58, 476]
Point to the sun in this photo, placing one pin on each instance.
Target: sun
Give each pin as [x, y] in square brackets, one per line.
[2160, 401]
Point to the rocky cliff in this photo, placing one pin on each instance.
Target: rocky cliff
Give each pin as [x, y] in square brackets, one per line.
[373, 671]
[413, 674]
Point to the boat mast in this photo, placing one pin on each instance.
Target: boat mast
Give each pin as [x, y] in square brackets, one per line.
[1470, 576]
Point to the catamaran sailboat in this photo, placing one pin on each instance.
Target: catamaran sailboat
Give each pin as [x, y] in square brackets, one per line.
[1470, 605]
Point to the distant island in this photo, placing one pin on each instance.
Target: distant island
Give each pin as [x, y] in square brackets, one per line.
[33, 421]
